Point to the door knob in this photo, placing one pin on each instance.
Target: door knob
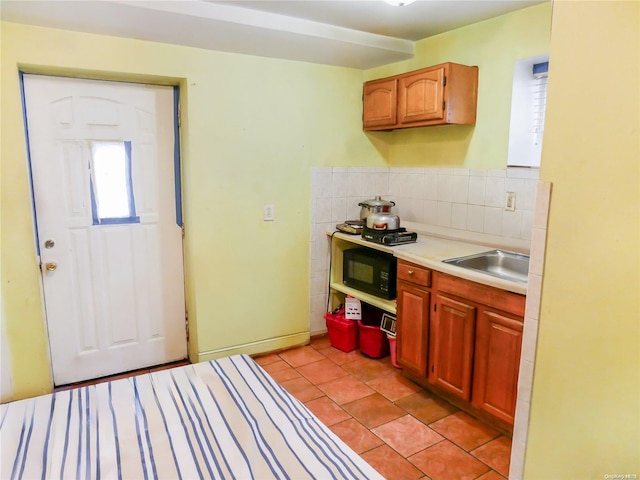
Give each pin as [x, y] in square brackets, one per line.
[51, 266]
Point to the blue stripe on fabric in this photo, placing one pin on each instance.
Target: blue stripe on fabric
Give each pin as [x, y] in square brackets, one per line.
[136, 421]
[184, 404]
[146, 430]
[214, 458]
[79, 455]
[4, 415]
[26, 443]
[88, 431]
[323, 436]
[45, 450]
[314, 435]
[166, 429]
[203, 409]
[115, 433]
[177, 177]
[186, 431]
[29, 166]
[66, 436]
[242, 406]
[259, 439]
[230, 431]
[212, 430]
[293, 421]
[16, 461]
[98, 440]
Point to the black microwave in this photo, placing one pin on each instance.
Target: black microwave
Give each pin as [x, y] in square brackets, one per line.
[370, 271]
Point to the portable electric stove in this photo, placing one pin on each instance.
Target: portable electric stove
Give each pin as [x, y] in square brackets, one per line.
[398, 236]
[352, 227]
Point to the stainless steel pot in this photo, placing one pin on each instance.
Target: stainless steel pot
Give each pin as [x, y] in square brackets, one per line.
[375, 205]
[383, 221]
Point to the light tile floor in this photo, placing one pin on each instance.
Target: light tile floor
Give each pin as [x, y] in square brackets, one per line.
[402, 430]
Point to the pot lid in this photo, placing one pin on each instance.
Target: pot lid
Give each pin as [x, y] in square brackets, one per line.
[376, 202]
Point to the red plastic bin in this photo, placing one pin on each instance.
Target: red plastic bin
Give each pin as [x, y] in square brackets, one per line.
[373, 341]
[343, 333]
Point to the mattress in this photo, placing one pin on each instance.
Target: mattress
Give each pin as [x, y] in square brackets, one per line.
[225, 419]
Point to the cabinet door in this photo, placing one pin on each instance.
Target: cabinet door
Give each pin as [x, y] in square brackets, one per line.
[497, 362]
[421, 97]
[451, 346]
[412, 327]
[379, 104]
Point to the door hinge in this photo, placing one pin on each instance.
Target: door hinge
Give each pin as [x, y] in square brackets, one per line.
[443, 104]
[183, 232]
[179, 116]
[186, 324]
[435, 307]
[444, 81]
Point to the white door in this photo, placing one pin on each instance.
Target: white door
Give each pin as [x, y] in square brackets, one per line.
[109, 239]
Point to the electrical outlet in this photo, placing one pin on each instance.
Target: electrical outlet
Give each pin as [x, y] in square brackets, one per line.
[510, 202]
[269, 212]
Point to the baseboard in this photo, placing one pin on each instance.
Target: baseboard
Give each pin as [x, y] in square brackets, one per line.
[253, 348]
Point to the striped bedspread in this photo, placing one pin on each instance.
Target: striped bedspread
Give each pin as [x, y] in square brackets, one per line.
[223, 419]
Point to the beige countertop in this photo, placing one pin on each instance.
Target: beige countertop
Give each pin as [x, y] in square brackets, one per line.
[436, 244]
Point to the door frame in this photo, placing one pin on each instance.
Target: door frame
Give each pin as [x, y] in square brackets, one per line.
[177, 169]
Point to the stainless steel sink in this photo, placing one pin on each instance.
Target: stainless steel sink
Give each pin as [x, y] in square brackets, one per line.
[498, 263]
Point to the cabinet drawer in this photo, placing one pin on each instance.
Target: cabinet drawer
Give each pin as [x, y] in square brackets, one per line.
[414, 274]
[482, 294]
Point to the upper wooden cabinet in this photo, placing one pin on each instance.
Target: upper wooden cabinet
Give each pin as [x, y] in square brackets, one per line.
[380, 103]
[438, 95]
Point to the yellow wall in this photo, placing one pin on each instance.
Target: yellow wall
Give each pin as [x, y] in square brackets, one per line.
[585, 409]
[252, 128]
[493, 45]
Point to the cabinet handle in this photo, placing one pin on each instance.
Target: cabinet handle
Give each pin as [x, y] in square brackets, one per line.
[410, 272]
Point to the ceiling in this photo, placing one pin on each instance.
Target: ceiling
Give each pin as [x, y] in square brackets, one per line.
[353, 33]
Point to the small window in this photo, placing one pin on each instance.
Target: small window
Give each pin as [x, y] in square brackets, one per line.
[112, 199]
[540, 74]
[528, 108]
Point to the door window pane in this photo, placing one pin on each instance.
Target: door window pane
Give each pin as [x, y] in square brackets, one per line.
[111, 183]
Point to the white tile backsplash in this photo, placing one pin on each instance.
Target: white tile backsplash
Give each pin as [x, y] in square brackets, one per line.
[444, 214]
[459, 216]
[494, 192]
[493, 220]
[460, 198]
[460, 188]
[476, 190]
[475, 218]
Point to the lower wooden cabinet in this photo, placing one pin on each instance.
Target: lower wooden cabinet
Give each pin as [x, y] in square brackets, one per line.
[497, 362]
[451, 346]
[461, 338]
[412, 327]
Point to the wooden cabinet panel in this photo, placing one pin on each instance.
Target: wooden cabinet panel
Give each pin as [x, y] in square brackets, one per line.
[379, 103]
[415, 274]
[421, 96]
[412, 327]
[482, 294]
[497, 362]
[451, 346]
